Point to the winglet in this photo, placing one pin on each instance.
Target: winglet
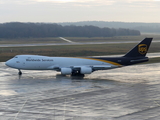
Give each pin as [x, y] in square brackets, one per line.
[141, 49]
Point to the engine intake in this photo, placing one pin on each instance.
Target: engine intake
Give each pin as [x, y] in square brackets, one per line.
[86, 70]
[66, 71]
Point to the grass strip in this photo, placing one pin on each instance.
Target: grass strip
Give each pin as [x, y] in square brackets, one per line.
[72, 50]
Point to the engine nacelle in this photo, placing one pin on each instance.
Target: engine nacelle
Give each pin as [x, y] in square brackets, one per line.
[66, 71]
[86, 70]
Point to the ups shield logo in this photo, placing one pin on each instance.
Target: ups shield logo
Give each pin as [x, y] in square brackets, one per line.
[142, 48]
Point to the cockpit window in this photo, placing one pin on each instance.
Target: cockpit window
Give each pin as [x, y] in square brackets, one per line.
[16, 57]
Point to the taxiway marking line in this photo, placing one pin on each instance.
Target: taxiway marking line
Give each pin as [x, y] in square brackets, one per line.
[66, 40]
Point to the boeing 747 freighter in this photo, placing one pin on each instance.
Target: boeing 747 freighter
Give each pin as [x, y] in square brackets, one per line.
[78, 66]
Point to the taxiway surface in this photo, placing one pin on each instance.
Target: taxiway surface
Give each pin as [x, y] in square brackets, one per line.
[129, 93]
[69, 43]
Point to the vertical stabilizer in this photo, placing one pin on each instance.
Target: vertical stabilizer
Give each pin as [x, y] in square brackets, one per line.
[141, 49]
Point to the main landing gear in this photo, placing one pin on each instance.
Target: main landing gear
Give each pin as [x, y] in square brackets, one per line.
[77, 74]
[19, 73]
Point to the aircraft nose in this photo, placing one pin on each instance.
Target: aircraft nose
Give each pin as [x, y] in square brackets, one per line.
[9, 63]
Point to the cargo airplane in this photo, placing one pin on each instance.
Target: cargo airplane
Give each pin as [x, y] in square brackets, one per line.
[79, 66]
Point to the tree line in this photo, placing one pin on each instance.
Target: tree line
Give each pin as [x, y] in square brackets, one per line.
[142, 27]
[37, 30]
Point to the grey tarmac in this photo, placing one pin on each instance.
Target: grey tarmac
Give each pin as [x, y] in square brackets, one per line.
[129, 93]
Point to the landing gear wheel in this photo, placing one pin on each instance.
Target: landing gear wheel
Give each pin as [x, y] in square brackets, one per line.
[19, 73]
[77, 75]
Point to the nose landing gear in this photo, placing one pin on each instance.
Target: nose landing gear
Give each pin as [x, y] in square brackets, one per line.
[19, 73]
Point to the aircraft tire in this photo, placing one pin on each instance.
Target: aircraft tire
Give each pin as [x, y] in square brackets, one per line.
[77, 75]
[19, 73]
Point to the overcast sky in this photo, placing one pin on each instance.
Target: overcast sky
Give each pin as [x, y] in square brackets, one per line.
[79, 10]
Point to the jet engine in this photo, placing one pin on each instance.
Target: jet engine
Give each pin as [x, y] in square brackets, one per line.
[66, 71]
[86, 70]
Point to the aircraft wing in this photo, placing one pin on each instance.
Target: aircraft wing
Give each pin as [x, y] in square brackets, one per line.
[94, 67]
[102, 67]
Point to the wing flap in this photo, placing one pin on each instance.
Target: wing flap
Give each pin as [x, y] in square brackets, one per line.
[102, 67]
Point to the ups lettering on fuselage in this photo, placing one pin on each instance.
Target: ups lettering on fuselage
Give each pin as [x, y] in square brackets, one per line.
[38, 60]
[47, 60]
[33, 60]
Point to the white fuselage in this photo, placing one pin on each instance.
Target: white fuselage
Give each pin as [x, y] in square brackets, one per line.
[35, 62]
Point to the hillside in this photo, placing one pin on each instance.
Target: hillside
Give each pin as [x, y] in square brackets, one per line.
[142, 27]
[41, 30]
